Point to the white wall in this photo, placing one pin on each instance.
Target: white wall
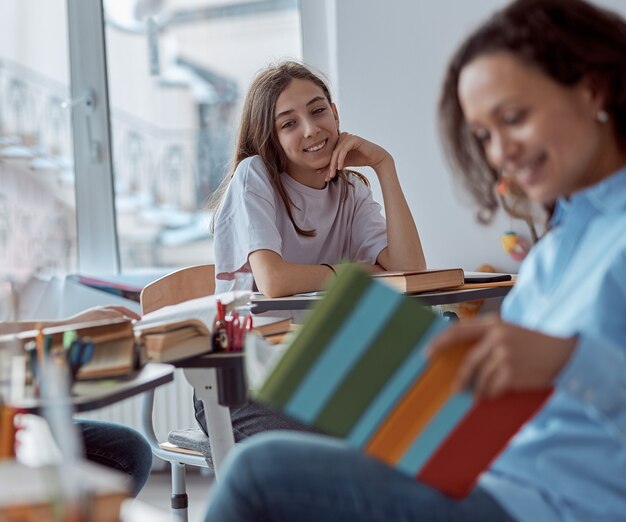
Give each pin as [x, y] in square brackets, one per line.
[389, 63]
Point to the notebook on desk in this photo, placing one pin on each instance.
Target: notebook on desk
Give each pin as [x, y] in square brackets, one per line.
[485, 277]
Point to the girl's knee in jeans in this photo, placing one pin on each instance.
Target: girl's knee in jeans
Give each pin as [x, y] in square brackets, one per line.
[276, 453]
[258, 457]
[252, 451]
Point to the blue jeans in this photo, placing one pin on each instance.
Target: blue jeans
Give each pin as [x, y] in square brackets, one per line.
[248, 419]
[119, 447]
[252, 418]
[277, 477]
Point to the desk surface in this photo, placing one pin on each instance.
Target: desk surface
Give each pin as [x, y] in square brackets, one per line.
[466, 293]
[91, 395]
[211, 360]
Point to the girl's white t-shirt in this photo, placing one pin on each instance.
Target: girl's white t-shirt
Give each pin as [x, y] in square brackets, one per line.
[253, 217]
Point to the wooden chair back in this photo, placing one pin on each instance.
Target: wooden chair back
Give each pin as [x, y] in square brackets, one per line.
[181, 285]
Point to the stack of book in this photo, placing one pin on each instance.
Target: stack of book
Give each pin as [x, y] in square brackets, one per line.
[114, 350]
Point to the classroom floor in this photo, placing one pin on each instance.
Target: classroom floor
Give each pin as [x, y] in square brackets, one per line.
[158, 489]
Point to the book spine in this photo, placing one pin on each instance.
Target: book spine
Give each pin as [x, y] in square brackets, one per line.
[313, 338]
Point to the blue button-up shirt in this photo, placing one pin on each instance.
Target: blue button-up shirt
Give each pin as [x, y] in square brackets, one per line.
[569, 462]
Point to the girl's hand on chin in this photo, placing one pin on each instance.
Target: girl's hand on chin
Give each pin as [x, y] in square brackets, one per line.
[354, 151]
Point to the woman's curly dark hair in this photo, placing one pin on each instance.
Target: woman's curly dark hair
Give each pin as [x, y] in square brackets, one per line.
[568, 40]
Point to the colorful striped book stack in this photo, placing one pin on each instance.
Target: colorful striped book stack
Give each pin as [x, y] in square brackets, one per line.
[357, 370]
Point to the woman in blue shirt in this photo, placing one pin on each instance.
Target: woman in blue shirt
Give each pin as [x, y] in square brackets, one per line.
[536, 96]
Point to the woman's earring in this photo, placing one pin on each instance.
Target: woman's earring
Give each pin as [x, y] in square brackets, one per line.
[602, 116]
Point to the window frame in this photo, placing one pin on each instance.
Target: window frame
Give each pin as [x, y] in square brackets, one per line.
[98, 249]
[97, 237]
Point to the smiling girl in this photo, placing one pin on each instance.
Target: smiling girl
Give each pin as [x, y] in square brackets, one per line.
[289, 209]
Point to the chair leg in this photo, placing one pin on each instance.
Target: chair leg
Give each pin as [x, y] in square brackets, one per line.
[179, 501]
[219, 424]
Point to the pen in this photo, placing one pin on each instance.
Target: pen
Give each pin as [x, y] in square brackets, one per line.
[68, 338]
[229, 332]
[236, 332]
[47, 345]
[248, 323]
[41, 354]
[31, 349]
[80, 353]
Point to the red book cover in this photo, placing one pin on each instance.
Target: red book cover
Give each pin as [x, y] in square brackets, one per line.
[478, 439]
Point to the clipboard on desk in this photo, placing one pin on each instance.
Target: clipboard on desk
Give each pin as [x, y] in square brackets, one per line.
[473, 278]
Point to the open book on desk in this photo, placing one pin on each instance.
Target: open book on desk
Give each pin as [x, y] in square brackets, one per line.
[184, 330]
[357, 370]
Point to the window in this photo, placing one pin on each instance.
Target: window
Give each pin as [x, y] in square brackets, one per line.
[177, 72]
[37, 210]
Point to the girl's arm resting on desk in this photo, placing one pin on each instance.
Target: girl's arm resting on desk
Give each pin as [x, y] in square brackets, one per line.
[404, 248]
[275, 277]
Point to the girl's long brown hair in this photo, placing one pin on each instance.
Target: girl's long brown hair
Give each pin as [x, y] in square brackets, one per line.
[257, 133]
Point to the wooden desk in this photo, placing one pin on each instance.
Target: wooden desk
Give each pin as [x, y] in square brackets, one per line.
[91, 395]
[444, 297]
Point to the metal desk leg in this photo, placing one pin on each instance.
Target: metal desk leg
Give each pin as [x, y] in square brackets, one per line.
[218, 421]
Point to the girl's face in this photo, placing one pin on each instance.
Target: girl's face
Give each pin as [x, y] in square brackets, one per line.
[307, 128]
[542, 134]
